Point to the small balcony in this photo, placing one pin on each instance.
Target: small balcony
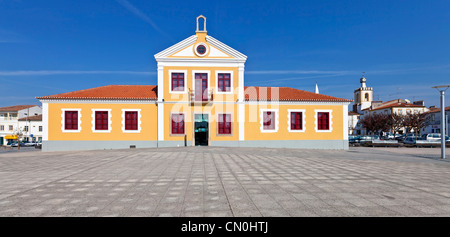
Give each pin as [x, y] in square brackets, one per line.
[200, 97]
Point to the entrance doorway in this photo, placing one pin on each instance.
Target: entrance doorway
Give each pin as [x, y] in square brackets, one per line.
[201, 129]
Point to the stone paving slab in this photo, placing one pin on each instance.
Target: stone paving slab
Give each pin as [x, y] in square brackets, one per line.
[216, 181]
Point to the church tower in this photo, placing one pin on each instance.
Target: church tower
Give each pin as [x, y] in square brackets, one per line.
[363, 96]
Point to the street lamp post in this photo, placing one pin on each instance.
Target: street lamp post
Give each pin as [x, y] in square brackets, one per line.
[442, 90]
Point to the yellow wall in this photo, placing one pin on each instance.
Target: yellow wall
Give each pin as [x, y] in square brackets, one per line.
[148, 122]
[189, 82]
[189, 111]
[253, 124]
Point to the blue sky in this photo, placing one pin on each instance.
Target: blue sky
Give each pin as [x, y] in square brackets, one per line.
[55, 46]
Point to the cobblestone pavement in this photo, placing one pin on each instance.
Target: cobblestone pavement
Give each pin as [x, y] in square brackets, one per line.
[215, 181]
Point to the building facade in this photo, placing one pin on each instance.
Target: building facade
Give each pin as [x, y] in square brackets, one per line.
[10, 121]
[434, 121]
[200, 99]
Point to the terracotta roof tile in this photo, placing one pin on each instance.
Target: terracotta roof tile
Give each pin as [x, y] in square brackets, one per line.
[32, 118]
[111, 92]
[396, 105]
[286, 94]
[16, 107]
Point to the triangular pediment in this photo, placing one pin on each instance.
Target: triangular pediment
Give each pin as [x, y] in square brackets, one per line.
[186, 50]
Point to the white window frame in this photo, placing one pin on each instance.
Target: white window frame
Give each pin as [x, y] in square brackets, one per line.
[63, 121]
[231, 83]
[208, 72]
[170, 81]
[109, 121]
[139, 121]
[303, 119]
[316, 124]
[261, 120]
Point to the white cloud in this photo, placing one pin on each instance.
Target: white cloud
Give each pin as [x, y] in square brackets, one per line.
[69, 72]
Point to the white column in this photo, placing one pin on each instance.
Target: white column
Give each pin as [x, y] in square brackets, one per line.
[241, 105]
[160, 102]
[44, 121]
[345, 126]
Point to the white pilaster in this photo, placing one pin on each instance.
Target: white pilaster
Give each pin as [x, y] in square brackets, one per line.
[45, 121]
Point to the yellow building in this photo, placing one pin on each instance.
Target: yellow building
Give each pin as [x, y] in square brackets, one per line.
[200, 99]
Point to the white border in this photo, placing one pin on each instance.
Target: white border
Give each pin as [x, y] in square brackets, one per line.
[206, 52]
[261, 120]
[63, 116]
[185, 81]
[139, 121]
[303, 120]
[231, 83]
[109, 121]
[330, 118]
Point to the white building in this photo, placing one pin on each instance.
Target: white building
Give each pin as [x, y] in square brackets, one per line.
[354, 127]
[31, 128]
[9, 120]
[434, 121]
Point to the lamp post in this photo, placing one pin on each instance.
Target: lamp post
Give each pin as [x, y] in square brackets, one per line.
[442, 90]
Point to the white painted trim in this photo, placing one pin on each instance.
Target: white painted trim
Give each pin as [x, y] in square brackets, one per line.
[198, 44]
[177, 47]
[139, 121]
[261, 120]
[45, 121]
[225, 48]
[231, 83]
[241, 121]
[109, 121]
[63, 119]
[241, 95]
[160, 82]
[185, 81]
[303, 120]
[345, 123]
[201, 62]
[330, 118]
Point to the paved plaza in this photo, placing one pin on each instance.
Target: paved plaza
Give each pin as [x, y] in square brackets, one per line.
[216, 181]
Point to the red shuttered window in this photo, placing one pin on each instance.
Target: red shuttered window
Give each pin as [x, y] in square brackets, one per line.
[224, 81]
[131, 120]
[177, 123]
[177, 82]
[296, 120]
[101, 120]
[71, 120]
[224, 123]
[269, 120]
[323, 120]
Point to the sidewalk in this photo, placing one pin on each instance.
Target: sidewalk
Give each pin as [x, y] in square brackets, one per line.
[215, 181]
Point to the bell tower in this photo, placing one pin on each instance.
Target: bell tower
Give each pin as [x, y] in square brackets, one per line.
[363, 96]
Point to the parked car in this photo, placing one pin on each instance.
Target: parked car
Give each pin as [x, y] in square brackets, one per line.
[354, 139]
[400, 137]
[388, 136]
[432, 137]
[30, 144]
[16, 144]
[410, 140]
[367, 138]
